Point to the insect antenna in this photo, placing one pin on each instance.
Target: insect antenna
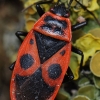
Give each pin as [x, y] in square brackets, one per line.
[39, 2]
[69, 5]
[27, 7]
[88, 11]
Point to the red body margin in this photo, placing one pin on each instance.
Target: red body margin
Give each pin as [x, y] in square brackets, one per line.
[31, 48]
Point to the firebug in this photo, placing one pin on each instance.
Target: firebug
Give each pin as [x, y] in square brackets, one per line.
[44, 55]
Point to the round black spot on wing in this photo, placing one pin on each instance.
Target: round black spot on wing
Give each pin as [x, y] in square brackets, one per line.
[26, 61]
[54, 71]
[31, 41]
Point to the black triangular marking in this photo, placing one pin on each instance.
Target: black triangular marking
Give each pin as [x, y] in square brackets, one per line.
[47, 46]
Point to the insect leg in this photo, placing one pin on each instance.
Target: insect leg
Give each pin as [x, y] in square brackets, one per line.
[38, 7]
[69, 76]
[11, 67]
[78, 25]
[20, 33]
[39, 10]
[75, 50]
[82, 57]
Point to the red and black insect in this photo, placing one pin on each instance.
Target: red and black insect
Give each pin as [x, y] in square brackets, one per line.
[44, 55]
